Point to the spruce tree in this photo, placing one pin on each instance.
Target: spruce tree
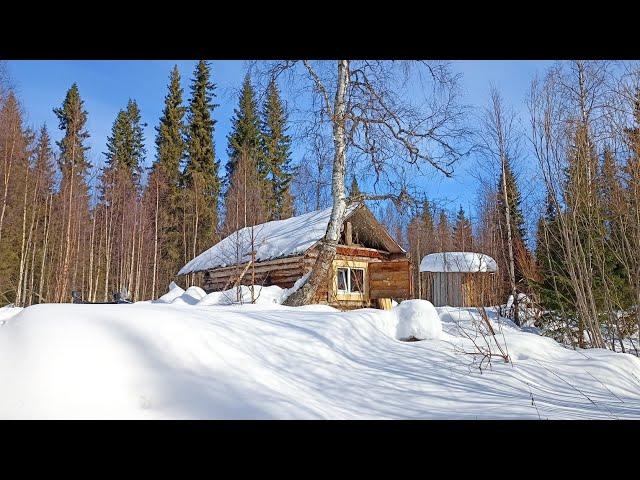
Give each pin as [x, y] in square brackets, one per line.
[277, 154]
[443, 232]
[163, 190]
[200, 149]
[72, 119]
[617, 291]
[73, 190]
[354, 189]
[553, 284]
[170, 144]
[427, 218]
[200, 177]
[125, 146]
[513, 194]
[462, 234]
[245, 132]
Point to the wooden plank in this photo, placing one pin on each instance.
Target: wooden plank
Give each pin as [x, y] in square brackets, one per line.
[391, 276]
[389, 280]
[364, 252]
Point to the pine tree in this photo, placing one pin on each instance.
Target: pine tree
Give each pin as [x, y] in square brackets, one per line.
[200, 177]
[277, 154]
[462, 233]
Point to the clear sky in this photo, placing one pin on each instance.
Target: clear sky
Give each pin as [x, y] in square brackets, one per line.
[106, 86]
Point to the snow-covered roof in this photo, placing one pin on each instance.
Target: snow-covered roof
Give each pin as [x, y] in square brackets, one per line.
[275, 239]
[458, 262]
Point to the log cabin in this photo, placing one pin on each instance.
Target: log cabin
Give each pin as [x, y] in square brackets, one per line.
[459, 279]
[370, 268]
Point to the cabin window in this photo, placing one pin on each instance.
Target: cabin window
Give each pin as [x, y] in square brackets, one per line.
[350, 280]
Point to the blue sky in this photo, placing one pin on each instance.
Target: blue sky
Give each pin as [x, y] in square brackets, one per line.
[106, 86]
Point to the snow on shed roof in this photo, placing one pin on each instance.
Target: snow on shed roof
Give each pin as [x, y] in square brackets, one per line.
[275, 239]
[458, 262]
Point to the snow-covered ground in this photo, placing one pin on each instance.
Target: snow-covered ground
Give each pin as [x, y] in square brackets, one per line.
[195, 358]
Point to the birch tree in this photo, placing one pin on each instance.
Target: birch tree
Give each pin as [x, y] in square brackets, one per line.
[369, 109]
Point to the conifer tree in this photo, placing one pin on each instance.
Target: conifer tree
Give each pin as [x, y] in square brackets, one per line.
[443, 233]
[245, 146]
[277, 154]
[354, 190]
[72, 120]
[125, 146]
[163, 191]
[170, 143]
[615, 292]
[514, 199]
[553, 285]
[200, 177]
[44, 171]
[462, 234]
[119, 188]
[244, 137]
[421, 237]
[74, 165]
[15, 149]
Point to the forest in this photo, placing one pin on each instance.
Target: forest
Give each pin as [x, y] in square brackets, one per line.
[569, 258]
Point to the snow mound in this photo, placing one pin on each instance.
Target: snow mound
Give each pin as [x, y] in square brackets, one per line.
[237, 295]
[191, 296]
[261, 296]
[458, 262]
[417, 319]
[174, 292]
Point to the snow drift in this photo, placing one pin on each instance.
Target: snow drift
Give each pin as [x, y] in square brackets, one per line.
[176, 360]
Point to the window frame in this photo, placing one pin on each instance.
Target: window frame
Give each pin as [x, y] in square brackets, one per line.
[349, 290]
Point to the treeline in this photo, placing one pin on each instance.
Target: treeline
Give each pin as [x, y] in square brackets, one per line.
[579, 276]
[431, 230]
[67, 225]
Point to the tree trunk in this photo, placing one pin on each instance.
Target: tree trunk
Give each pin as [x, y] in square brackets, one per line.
[327, 251]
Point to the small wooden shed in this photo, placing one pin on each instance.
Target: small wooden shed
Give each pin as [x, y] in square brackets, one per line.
[459, 279]
[369, 268]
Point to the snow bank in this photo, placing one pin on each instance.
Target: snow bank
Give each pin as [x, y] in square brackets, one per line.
[279, 238]
[242, 295]
[458, 262]
[158, 360]
[7, 312]
[417, 319]
[174, 292]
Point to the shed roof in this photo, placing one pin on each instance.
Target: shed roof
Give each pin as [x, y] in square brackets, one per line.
[458, 262]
